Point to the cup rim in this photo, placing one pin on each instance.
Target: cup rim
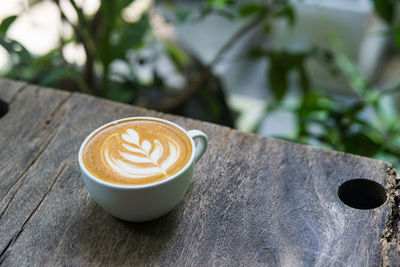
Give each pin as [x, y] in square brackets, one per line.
[119, 186]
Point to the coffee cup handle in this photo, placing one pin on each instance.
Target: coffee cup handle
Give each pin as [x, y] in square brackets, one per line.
[201, 146]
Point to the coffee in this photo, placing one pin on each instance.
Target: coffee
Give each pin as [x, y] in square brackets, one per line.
[136, 152]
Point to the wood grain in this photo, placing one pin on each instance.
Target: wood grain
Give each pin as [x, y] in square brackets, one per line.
[25, 132]
[10, 89]
[25, 129]
[254, 201]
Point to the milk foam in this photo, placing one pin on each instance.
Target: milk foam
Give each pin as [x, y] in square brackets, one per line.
[136, 158]
[137, 152]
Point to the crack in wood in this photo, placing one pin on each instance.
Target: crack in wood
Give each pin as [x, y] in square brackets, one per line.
[45, 144]
[3, 254]
[60, 105]
[41, 151]
[53, 115]
[18, 91]
[389, 240]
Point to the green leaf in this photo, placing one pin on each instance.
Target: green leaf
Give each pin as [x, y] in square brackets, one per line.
[281, 64]
[385, 9]
[177, 54]
[110, 10]
[357, 81]
[278, 79]
[314, 105]
[128, 37]
[123, 3]
[397, 36]
[117, 40]
[257, 53]
[304, 82]
[6, 23]
[266, 28]
[287, 12]
[15, 48]
[212, 103]
[58, 74]
[361, 144]
[219, 4]
[182, 14]
[250, 9]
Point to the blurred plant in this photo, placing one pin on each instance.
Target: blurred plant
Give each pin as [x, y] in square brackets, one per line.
[117, 50]
[365, 124]
[112, 42]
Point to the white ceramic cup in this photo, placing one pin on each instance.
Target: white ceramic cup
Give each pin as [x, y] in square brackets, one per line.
[140, 203]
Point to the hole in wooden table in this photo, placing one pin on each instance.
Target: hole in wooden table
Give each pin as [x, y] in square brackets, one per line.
[362, 194]
[3, 108]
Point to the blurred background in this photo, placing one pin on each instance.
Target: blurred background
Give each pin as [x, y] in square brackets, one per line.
[323, 73]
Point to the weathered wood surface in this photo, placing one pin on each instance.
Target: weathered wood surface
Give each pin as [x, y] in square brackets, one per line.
[254, 201]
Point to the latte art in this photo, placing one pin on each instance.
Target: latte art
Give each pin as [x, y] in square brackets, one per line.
[138, 159]
[136, 152]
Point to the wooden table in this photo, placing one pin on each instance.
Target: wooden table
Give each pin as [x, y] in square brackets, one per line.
[254, 201]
